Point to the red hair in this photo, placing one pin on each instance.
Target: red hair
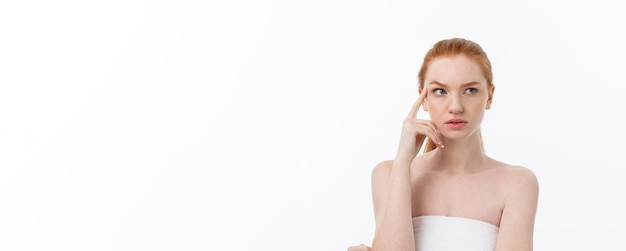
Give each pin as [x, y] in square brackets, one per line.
[454, 47]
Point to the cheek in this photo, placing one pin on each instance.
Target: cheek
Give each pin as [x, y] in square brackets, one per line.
[433, 105]
[481, 103]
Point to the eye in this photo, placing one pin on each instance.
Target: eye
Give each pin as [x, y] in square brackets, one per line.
[439, 91]
[471, 90]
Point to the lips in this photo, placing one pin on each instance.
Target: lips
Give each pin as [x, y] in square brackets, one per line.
[456, 123]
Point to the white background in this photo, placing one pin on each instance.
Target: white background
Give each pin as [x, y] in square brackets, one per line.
[239, 125]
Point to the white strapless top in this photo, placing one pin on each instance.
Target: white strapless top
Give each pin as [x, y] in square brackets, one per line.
[442, 233]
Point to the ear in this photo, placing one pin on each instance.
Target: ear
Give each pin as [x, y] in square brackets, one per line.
[424, 103]
[490, 97]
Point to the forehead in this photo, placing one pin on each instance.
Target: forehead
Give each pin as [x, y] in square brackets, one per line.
[455, 70]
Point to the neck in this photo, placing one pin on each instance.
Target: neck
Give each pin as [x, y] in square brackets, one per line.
[460, 155]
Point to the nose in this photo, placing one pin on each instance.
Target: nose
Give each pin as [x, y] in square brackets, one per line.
[455, 106]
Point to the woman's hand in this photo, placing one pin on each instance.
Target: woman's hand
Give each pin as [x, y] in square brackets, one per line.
[415, 131]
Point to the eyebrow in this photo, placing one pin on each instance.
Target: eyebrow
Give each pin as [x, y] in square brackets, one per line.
[463, 85]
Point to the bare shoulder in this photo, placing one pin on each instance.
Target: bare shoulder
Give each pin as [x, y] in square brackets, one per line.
[518, 178]
[382, 168]
[521, 175]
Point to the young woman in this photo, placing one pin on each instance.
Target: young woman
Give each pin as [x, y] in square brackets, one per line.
[453, 196]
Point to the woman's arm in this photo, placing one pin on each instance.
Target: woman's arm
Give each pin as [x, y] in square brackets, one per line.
[391, 194]
[518, 215]
[391, 185]
[395, 231]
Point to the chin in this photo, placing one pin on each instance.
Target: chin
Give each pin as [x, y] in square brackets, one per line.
[455, 135]
[461, 134]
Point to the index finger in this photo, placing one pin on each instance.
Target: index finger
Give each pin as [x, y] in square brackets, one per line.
[417, 104]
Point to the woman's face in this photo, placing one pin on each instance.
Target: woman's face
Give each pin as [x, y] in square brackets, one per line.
[457, 97]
